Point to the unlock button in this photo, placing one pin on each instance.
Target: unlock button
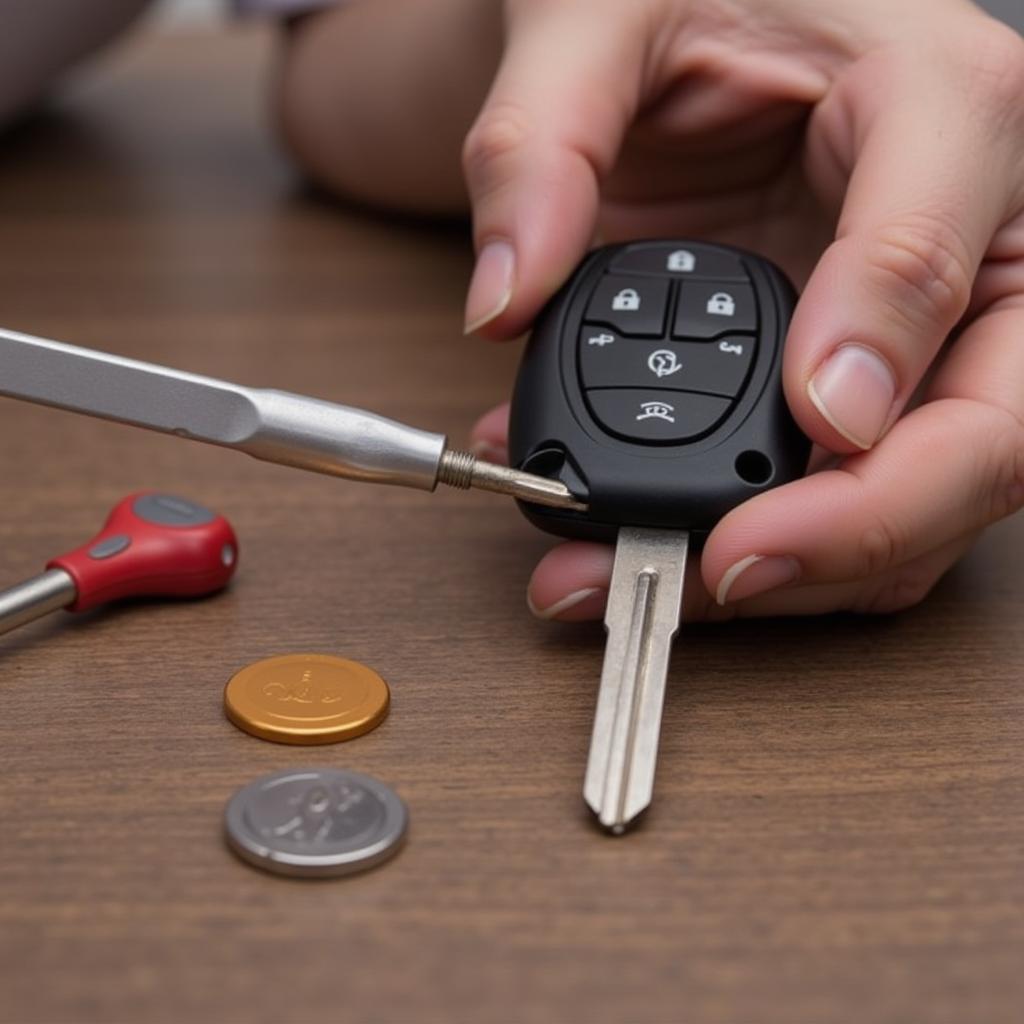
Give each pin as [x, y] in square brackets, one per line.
[632, 305]
[709, 309]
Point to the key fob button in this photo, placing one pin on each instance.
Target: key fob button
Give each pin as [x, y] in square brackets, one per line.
[708, 309]
[607, 360]
[632, 305]
[655, 416]
[690, 261]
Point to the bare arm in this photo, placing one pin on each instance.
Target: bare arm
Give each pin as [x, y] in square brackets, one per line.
[374, 99]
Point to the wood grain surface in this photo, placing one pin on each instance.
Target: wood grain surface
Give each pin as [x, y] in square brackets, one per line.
[839, 818]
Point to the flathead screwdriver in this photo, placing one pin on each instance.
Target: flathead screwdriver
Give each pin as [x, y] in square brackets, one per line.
[275, 426]
[151, 545]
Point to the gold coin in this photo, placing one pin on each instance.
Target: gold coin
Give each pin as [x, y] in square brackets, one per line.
[306, 698]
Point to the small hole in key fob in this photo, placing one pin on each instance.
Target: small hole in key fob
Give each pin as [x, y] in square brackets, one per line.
[652, 387]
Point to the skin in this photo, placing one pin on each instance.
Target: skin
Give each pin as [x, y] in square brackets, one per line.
[874, 150]
[40, 40]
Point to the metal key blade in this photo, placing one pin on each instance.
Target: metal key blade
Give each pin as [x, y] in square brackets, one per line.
[644, 603]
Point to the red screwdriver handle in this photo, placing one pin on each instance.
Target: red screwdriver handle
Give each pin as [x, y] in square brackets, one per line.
[153, 545]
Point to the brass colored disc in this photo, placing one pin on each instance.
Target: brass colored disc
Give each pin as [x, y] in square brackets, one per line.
[306, 698]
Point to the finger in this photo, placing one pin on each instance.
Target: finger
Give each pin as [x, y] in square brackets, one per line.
[986, 366]
[489, 436]
[892, 591]
[549, 130]
[571, 581]
[949, 468]
[570, 584]
[931, 180]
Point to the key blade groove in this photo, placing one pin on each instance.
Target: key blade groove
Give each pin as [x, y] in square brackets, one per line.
[618, 769]
[644, 603]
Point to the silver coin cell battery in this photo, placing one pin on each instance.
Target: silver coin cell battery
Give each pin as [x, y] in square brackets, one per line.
[315, 823]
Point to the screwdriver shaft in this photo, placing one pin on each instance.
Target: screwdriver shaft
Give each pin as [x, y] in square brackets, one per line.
[642, 617]
[35, 598]
[271, 425]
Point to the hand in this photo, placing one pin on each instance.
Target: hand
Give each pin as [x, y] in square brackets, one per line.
[876, 152]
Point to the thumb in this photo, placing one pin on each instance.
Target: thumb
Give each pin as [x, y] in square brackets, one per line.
[929, 184]
[549, 130]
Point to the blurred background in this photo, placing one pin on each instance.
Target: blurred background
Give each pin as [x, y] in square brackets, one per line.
[194, 11]
[1009, 10]
[207, 11]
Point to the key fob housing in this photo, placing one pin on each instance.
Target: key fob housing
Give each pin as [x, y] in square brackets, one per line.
[651, 386]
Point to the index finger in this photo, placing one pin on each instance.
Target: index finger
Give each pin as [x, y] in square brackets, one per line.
[550, 128]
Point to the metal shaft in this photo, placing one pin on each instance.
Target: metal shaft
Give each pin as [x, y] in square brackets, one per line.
[644, 602]
[35, 598]
[461, 469]
[275, 426]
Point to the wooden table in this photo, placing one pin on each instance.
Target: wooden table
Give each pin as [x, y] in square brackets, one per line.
[839, 822]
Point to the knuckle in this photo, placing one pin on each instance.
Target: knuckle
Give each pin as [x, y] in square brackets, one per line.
[908, 588]
[997, 61]
[500, 133]
[922, 267]
[1005, 473]
[879, 548]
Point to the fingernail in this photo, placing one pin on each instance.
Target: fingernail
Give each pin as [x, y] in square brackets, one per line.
[854, 390]
[489, 452]
[754, 575]
[586, 604]
[490, 291]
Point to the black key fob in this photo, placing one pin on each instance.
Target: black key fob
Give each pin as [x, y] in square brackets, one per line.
[651, 386]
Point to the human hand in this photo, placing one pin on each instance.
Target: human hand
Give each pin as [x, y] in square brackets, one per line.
[876, 152]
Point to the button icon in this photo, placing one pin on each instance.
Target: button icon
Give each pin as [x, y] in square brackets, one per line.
[626, 301]
[682, 261]
[657, 411]
[662, 363]
[724, 346]
[601, 340]
[722, 304]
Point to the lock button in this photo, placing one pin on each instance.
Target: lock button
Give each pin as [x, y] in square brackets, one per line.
[634, 306]
[710, 309]
[722, 304]
[690, 260]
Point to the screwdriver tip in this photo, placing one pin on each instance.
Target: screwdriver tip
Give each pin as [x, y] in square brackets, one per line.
[463, 470]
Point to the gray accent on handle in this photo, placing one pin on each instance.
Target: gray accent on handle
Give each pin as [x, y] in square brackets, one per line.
[170, 510]
[110, 547]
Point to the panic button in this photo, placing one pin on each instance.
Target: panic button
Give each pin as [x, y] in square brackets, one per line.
[654, 416]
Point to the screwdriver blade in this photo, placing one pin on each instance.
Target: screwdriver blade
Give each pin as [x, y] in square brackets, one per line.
[461, 469]
[642, 617]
